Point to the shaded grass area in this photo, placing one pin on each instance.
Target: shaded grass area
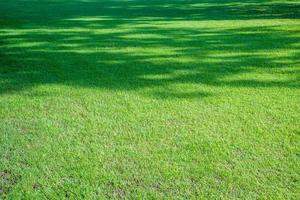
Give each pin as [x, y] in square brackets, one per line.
[149, 99]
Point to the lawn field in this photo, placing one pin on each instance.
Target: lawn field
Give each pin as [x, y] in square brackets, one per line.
[149, 99]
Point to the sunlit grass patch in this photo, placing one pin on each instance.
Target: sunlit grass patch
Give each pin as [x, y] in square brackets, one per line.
[149, 99]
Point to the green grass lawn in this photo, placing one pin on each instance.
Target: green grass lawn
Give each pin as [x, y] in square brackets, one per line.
[153, 99]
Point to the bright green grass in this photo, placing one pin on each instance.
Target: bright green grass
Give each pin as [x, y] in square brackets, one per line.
[149, 99]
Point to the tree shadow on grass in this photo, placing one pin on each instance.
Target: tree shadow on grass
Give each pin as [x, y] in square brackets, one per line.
[50, 11]
[139, 48]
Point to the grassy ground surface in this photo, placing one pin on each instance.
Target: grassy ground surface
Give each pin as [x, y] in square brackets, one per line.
[149, 99]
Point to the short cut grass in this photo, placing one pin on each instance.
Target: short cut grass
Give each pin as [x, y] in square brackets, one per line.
[149, 99]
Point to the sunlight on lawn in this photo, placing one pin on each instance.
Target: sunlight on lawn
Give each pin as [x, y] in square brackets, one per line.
[149, 99]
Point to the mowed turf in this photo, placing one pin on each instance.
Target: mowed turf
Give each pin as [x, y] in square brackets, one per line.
[153, 99]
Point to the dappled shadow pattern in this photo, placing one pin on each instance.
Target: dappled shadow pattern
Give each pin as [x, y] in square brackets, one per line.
[128, 45]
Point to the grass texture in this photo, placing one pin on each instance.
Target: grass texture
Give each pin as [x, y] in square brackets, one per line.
[149, 99]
